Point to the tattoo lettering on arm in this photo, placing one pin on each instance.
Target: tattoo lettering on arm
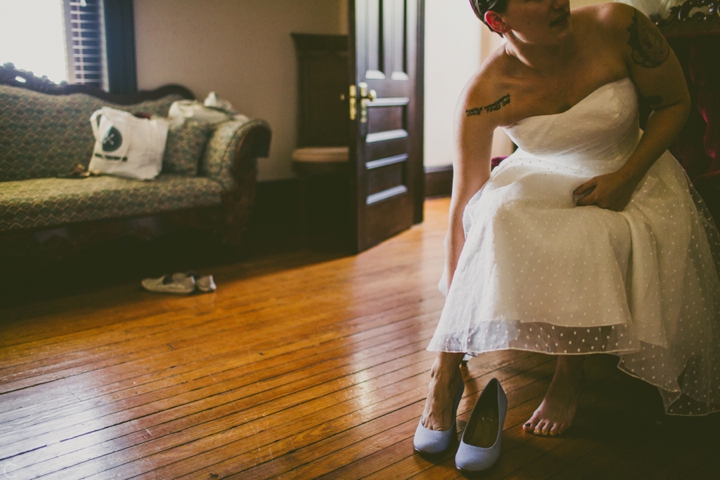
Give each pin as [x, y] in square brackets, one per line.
[496, 105]
[649, 48]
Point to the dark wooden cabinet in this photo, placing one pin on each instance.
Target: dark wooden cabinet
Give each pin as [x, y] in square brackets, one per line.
[322, 62]
[321, 160]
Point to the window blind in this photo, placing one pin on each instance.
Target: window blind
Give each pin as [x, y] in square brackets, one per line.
[84, 38]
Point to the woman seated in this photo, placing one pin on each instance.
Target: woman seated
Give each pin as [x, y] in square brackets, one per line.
[589, 238]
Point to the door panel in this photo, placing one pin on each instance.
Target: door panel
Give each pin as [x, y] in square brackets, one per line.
[386, 135]
[386, 118]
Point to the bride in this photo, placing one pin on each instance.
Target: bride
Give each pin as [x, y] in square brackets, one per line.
[589, 238]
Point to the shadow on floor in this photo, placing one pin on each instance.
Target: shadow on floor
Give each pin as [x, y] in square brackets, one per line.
[128, 260]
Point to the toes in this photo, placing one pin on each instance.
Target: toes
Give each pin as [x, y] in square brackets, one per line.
[544, 428]
[538, 428]
[530, 424]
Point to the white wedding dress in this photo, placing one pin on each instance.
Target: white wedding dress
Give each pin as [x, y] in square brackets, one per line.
[539, 273]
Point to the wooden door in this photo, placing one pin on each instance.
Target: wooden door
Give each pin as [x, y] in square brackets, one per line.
[386, 71]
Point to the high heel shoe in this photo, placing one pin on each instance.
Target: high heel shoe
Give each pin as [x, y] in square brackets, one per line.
[434, 442]
[479, 447]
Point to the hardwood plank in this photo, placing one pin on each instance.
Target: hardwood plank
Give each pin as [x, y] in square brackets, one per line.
[354, 456]
[365, 326]
[314, 410]
[187, 408]
[323, 443]
[519, 448]
[328, 317]
[301, 365]
[173, 325]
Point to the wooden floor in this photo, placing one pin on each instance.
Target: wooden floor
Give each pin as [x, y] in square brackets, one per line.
[299, 366]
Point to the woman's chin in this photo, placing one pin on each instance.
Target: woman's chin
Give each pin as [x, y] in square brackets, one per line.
[561, 36]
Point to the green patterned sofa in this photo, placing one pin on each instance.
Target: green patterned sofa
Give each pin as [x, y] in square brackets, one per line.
[45, 132]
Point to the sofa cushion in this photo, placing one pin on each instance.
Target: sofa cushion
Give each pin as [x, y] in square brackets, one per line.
[184, 147]
[47, 135]
[47, 202]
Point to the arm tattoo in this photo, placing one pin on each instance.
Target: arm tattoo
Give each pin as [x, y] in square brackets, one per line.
[496, 105]
[649, 48]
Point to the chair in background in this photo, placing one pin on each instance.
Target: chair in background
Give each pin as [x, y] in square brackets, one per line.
[693, 31]
[321, 160]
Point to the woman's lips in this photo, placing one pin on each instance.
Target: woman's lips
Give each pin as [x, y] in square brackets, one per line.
[560, 20]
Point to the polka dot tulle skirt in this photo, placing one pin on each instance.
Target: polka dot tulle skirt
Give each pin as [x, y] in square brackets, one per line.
[539, 273]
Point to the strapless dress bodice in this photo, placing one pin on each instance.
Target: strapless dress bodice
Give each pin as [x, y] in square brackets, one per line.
[602, 127]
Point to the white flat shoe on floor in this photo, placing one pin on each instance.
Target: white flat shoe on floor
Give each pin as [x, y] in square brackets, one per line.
[205, 283]
[178, 283]
[479, 447]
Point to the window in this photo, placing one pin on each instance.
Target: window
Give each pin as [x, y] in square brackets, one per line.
[31, 37]
[84, 42]
[80, 41]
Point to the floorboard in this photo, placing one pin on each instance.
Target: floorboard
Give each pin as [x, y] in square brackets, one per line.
[303, 364]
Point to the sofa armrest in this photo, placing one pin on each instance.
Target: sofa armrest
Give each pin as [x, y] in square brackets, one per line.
[232, 146]
[230, 158]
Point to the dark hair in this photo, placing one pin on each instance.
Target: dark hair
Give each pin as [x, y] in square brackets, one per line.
[480, 7]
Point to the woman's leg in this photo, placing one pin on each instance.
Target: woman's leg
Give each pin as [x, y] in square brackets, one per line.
[557, 410]
[444, 378]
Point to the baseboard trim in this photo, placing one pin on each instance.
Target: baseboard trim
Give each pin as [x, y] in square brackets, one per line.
[438, 181]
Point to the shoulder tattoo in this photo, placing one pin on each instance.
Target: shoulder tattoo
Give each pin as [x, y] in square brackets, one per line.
[496, 105]
[649, 48]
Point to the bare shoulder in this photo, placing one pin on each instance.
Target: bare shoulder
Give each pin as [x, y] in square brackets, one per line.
[611, 19]
[488, 95]
[613, 14]
[642, 43]
[626, 31]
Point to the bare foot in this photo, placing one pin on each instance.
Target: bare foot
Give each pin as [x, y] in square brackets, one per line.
[444, 384]
[557, 410]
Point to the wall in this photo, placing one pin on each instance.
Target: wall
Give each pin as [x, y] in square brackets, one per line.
[242, 50]
[452, 55]
[456, 43]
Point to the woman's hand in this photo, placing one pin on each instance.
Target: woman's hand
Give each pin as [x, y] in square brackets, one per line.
[611, 191]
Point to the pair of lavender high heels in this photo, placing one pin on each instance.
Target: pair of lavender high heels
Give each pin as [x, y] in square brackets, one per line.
[479, 447]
